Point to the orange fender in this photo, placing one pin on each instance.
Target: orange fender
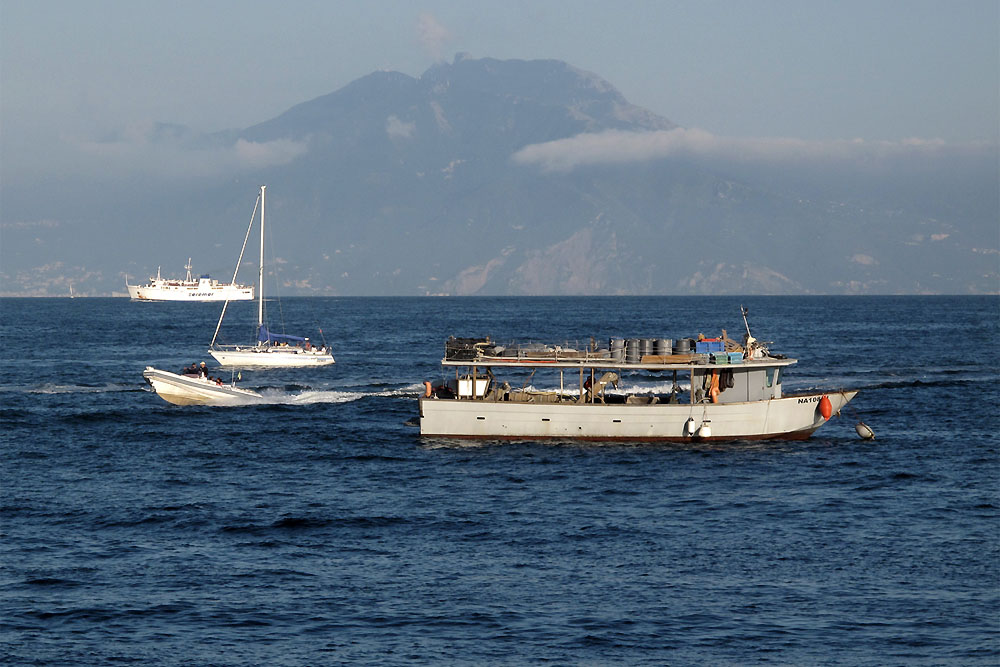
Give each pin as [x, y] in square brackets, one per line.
[825, 407]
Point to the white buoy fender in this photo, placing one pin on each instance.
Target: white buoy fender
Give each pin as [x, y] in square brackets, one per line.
[689, 426]
[864, 432]
[705, 431]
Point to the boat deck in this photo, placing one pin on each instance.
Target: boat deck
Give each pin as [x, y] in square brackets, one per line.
[605, 362]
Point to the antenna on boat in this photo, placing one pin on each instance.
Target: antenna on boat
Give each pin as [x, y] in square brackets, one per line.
[745, 323]
[750, 344]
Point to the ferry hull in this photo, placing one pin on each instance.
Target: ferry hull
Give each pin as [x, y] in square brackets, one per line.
[272, 358]
[186, 390]
[793, 417]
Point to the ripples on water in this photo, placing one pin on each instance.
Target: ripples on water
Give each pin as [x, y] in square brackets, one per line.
[318, 528]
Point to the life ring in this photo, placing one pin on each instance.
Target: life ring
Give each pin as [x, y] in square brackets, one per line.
[713, 390]
[427, 390]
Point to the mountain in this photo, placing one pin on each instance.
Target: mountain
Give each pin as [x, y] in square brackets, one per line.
[409, 186]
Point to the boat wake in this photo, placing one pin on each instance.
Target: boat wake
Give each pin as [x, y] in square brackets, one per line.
[308, 397]
[52, 388]
[314, 396]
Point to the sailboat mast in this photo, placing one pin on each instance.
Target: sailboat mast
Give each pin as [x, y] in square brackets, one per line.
[260, 279]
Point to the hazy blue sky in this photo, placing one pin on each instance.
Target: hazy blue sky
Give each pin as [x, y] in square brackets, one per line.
[884, 70]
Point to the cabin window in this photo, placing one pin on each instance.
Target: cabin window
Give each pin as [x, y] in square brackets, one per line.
[777, 376]
[770, 376]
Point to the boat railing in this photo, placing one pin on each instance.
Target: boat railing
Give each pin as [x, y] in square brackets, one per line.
[470, 349]
[461, 351]
[567, 351]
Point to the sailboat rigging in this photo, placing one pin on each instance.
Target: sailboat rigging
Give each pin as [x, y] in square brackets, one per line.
[270, 349]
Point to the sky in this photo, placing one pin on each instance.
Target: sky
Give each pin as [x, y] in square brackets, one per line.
[76, 72]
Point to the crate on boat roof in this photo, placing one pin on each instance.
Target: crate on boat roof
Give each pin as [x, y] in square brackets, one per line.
[465, 348]
[708, 346]
[735, 357]
[719, 358]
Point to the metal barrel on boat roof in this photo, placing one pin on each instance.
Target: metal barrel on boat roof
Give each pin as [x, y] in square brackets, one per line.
[617, 347]
[632, 351]
[662, 346]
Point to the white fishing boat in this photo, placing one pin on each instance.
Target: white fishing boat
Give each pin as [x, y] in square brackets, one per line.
[732, 392]
[205, 288]
[196, 389]
[270, 349]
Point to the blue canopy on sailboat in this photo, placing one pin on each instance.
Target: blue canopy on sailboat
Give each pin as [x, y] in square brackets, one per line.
[265, 336]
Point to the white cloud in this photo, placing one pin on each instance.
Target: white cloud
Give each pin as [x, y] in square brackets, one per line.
[622, 147]
[432, 35]
[268, 153]
[133, 152]
[397, 129]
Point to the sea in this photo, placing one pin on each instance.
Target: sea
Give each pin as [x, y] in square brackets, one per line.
[319, 528]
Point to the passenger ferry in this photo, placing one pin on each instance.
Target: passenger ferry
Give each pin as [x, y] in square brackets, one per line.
[189, 289]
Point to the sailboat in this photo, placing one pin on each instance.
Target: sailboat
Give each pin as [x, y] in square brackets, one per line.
[270, 349]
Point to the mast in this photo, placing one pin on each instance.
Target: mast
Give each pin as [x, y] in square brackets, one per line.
[236, 272]
[260, 279]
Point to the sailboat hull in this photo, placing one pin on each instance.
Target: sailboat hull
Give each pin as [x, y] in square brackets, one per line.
[187, 390]
[272, 357]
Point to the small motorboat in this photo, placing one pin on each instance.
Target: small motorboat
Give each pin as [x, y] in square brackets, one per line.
[196, 390]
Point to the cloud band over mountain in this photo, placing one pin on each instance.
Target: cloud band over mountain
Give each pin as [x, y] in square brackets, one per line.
[621, 147]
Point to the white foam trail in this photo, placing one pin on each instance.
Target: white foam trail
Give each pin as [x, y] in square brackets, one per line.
[275, 397]
[313, 396]
[50, 388]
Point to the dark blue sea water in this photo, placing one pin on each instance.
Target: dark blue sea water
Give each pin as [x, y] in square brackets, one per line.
[319, 529]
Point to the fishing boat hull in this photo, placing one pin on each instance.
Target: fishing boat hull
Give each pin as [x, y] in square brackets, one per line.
[188, 390]
[792, 417]
[272, 357]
